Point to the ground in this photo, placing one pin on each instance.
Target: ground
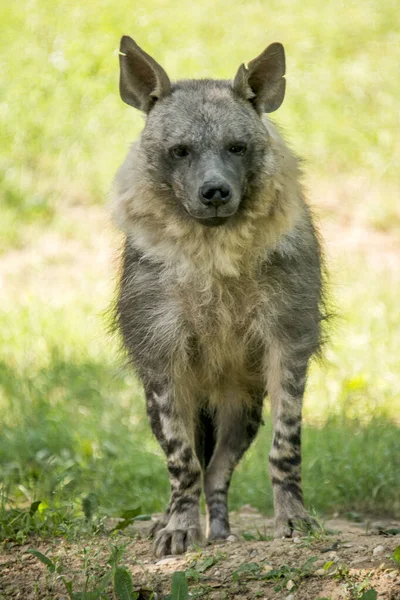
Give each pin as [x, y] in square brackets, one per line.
[343, 562]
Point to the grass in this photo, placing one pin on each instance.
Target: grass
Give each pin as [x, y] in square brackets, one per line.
[64, 129]
[73, 418]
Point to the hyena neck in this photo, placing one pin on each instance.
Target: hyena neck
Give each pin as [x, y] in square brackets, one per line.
[197, 253]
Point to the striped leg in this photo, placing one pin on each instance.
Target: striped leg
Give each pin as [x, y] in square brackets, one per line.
[235, 430]
[286, 388]
[180, 526]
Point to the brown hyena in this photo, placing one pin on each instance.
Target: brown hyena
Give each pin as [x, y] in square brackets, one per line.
[220, 297]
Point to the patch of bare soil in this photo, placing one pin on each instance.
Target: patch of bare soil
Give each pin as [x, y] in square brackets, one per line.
[339, 565]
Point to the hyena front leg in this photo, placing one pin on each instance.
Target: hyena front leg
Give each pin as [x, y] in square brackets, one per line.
[180, 526]
[286, 383]
[236, 428]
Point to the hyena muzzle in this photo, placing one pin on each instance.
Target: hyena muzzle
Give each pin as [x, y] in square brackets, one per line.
[220, 296]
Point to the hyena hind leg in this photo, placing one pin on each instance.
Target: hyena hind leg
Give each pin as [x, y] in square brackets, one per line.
[235, 430]
[286, 393]
[180, 525]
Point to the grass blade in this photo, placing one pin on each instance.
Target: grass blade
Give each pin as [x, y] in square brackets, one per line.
[179, 587]
[123, 584]
[44, 559]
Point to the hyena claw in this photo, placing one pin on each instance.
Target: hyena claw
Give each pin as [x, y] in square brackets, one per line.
[176, 541]
[294, 526]
[157, 525]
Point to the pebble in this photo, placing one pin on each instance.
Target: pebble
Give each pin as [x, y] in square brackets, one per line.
[267, 568]
[296, 540]
[168, 561]
[290, 597]
[360, 559]
[333, 556]
[378, 550]
[320, 572]
[290, 584]
[231, 538]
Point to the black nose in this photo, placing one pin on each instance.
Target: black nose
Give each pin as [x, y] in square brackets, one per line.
[215, 194]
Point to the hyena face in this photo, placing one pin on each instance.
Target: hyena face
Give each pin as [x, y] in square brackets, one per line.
[204, 139]
[208, 147]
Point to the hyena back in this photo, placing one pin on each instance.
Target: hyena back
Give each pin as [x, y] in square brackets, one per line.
[220, 297]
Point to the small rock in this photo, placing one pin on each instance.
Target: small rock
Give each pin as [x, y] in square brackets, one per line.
[391, 575]
[267, 568]
[333, 556]
[217, 573]
[378, 550]
[296, 540]
[290, 597]
[290, 584]
[360, 559]
[168, 561]
[231, 538]
[319, 572]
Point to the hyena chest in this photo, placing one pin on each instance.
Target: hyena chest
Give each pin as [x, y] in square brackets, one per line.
[227, 330]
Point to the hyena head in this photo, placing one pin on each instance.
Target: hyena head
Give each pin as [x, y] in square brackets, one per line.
[204, 140]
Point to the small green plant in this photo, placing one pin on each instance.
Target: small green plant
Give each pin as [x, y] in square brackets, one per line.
[18, 524]
[179, 587]
[370, 594]
[123, 584]
[284, 574]
[357, 590]
[247, 571]
[94, 589]
[130, 516]
[396, 556]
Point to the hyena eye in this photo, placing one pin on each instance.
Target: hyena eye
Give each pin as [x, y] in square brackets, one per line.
[179, 152]
[239, 149]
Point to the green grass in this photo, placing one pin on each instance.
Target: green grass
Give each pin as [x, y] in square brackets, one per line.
[64, 129]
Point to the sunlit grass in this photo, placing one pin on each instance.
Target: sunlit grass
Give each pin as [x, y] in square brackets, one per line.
[64, 129]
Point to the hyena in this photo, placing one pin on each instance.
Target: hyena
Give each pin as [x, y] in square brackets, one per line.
[220, 296]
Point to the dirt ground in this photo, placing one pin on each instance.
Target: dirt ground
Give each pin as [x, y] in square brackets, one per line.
[341, 564]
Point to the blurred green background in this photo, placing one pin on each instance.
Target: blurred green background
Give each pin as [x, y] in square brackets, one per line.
[73, 418]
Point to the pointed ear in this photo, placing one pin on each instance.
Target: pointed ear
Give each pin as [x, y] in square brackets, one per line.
[263, 83]
[142, 80]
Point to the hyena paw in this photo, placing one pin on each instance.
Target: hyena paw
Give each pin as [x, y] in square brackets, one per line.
[294, 524]
[176, 541]
[158, 525]
[218, 531]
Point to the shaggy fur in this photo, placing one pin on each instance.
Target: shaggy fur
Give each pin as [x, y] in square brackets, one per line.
[216, 311]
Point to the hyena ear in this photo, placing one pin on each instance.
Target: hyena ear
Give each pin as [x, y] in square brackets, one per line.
[142, 80]
[263, 83]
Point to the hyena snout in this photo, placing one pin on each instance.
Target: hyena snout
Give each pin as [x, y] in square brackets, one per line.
[215, 193]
